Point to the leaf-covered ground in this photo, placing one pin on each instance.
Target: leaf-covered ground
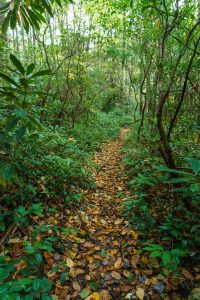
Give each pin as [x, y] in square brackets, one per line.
[101, 257]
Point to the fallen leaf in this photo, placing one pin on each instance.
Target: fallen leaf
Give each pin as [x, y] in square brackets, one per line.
[69, 262]
[118, 263]
[116, 275]
[94, 296]
[118, 221]
[104, 295]
[14, 241]
[140, 293]
[187, 274]
[76, 286]
[84, 293]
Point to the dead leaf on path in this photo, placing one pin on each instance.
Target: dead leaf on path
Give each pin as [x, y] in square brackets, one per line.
[20, 266]
[104, 295]
[94, 296]
[49, 258]
[187, 274]
[69, 262]
[118, 263]
[78, 272]
[14, 241]
[116, 275]
[103, 221]
[118, 221]
[126, 273]
[76, 286]
[140, 293]
[88, 245]
[135, 260]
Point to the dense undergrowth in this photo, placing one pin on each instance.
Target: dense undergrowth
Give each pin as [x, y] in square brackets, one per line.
[52, 178]
[169, 230]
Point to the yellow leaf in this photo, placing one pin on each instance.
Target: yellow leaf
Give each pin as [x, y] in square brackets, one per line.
[94, 296]
[69, 263]
[28, 2]
[118, 263]
[140, 293]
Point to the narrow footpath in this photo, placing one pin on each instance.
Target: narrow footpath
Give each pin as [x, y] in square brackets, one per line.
[104, 265]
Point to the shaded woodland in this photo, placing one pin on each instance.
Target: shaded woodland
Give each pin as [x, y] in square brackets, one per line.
[99, 149]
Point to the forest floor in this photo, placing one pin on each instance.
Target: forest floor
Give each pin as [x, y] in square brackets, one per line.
[100, 256]
[107, 263]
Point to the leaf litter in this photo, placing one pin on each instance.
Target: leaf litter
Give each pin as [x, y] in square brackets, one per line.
[103, 255]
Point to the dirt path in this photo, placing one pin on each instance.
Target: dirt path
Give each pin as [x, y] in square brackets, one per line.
[106, 258]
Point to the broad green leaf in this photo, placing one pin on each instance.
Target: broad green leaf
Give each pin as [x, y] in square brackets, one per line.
[84, 293]
[7, 171]
[33, 19]
[47, 5]
[13, 19]
[155, 253]
[41, 73]
[8, 79]
[6, 23]
[16, 62]
[94, 284]
[12, 123]
[195, 165]
[166, 257]
[20, 133]
[154, 247]
[30, 68]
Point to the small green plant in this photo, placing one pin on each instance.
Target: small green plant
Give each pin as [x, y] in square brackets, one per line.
[169, 259]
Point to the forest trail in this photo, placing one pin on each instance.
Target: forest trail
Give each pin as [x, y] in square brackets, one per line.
[107, 258]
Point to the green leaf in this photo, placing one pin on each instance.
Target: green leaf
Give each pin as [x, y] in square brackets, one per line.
[38, 258]
[63, 277]
[153, 247]
[195, 165]
[94, 284]
[58, 2]
[8, 79]
[166, 257]
[33, 18]
[3, 289]
[84, 293]
[166, 169]
[155, 253]
[36, 284]
[103, 253]
[7, 171]
[13, 19]
[6, 23]
[12, 123]
[41, 73]
[20, 133]
[47, 5]
[179, 252]
[30, 69]
[17, 64]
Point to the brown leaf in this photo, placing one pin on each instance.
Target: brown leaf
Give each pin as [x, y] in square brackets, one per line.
[135, 260]
[104, 295]
[187, 274]
[118, 263]
[118, 221]
[116, 275]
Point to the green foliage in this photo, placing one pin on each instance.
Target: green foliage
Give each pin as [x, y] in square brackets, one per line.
[169, 259]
